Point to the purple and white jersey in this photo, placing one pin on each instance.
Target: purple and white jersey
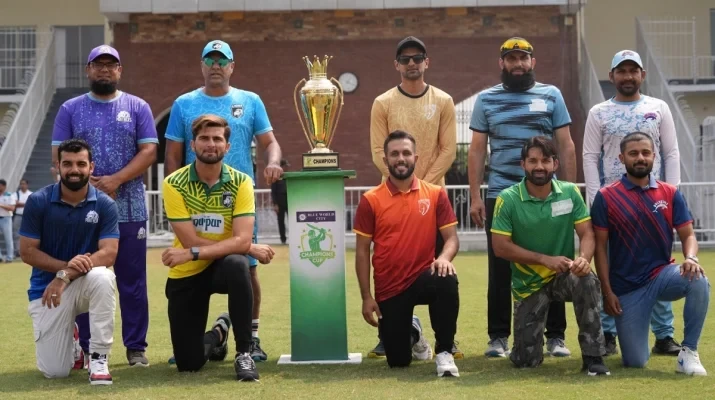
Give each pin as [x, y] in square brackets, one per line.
[114, 130]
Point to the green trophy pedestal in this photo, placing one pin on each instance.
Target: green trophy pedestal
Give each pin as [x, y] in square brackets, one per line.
[316, 238]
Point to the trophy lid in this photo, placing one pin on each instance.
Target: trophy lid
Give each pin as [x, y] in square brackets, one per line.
[317, 67]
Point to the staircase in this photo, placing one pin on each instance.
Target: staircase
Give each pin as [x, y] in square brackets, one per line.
[38, 168]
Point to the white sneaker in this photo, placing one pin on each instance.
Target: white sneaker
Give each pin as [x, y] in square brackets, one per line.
[498, 347]
[445, 365]
[557, 348]
[420, 350]
[99, 370]
[689, 363]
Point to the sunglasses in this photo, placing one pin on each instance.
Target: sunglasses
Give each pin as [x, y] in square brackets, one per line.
[517, 44]
[417, 58]
[222, 62]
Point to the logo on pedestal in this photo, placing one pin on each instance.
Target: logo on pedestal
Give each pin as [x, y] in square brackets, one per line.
[316, 245]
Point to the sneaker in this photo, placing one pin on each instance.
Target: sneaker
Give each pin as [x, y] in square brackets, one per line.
[257, 353]
[245, 368]
[498, 347]
[666, 346]
[594, 366]
[456, 353]
[137, 358]
[99, 370]
[420, 350]
[378, 351]
[689, 363]
[172, 360]
[219, 353]
[611, 345]
[445, 365]
[556, 347]
[80, 361]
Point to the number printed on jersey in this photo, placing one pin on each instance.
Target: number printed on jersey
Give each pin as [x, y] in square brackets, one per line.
[208, 223]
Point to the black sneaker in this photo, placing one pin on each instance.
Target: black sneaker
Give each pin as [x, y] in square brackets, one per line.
[456, 353]
[257, 353]
[667, 346]
[245, 368]
[219, 353]
[611, 345]
[378, 351]
[594, 366]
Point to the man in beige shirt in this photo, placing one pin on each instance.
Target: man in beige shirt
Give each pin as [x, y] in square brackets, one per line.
[425, 112]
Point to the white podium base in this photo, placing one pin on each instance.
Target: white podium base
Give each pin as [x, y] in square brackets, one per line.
[353, 358]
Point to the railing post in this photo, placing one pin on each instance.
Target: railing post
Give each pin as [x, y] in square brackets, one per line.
[694, 59]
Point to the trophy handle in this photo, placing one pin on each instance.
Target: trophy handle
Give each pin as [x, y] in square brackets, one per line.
[340, 109]
[300, 115]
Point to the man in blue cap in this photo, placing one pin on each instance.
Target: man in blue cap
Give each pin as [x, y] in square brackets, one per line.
[247, 119]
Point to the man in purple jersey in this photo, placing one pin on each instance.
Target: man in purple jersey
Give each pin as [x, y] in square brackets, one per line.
[120, 129]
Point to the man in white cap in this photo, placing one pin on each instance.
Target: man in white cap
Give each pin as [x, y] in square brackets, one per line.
[607, 124]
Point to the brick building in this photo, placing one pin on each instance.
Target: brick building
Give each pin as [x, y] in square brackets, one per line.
[161, 58]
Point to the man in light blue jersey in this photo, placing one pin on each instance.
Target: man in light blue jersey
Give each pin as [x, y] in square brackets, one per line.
[247, 118]
[608, 123]
[507, 115]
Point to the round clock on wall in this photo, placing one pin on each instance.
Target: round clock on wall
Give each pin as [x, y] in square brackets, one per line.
[348, 81]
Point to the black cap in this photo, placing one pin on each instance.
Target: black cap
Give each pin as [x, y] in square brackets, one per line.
[410, 41]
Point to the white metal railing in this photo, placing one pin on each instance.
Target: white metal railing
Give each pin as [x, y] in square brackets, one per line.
[674, 44]
[703, 210]
[589, 85]
[706, 143]
[657, 85]
[22, 134]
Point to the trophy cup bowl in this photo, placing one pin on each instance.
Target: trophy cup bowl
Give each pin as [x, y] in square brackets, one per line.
[318, 105]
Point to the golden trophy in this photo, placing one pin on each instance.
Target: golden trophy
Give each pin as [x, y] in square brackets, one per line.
[318, 104]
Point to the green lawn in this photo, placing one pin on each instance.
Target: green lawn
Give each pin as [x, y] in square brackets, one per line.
[480, 377]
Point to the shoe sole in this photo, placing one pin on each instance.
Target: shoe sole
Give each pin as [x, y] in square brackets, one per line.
[375, 355]
[259, 358]
[597, 374]
[444, 374]
[560, 355]
[692, 373]
[140, 365]
[96, 383]
[247, 379]
[495, 355]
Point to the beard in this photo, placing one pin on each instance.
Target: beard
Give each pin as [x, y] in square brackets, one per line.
[628, 91]
[639, 170]
[518, 83]
[401, 176]
[212, 159]
[412, 75]
[539, 180]
[74, 185]
[103, 87]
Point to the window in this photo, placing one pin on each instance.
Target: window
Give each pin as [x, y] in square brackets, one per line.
[17, 56]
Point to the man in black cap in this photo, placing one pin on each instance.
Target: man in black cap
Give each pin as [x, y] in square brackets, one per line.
[428, 114]
[279, 196]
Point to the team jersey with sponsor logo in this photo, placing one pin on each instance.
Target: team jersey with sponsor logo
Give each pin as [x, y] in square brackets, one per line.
[211, 209]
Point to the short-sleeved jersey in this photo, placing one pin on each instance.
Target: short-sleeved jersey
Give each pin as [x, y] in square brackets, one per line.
[244, 111]
[114, 130]
[512, 118]
[640, 223]
[211, 209]
[542, 226]
[65, 231]
[403, 227]
[428, 117]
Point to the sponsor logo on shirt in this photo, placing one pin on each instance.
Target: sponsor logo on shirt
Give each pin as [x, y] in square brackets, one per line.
[208, 223]
[141, 234]
[650, 116]
[237, 110]
[92, 217]
[124, 116]
[423, 206]
[430, 110]
[660, 205]
[227, 199]
[538, 105]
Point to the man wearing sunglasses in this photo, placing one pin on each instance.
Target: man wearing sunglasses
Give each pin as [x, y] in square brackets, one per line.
[507, 115]
[120, 130]
[247, 118]
[428, 114]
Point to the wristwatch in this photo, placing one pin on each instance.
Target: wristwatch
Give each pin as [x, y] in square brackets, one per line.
[693, 258]
[62, 274]
[195, 252]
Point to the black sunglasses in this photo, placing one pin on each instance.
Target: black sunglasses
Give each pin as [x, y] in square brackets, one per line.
[417, 58]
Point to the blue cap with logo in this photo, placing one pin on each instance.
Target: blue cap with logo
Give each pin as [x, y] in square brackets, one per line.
[219, 46]
[626, 55]
[102, 50]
